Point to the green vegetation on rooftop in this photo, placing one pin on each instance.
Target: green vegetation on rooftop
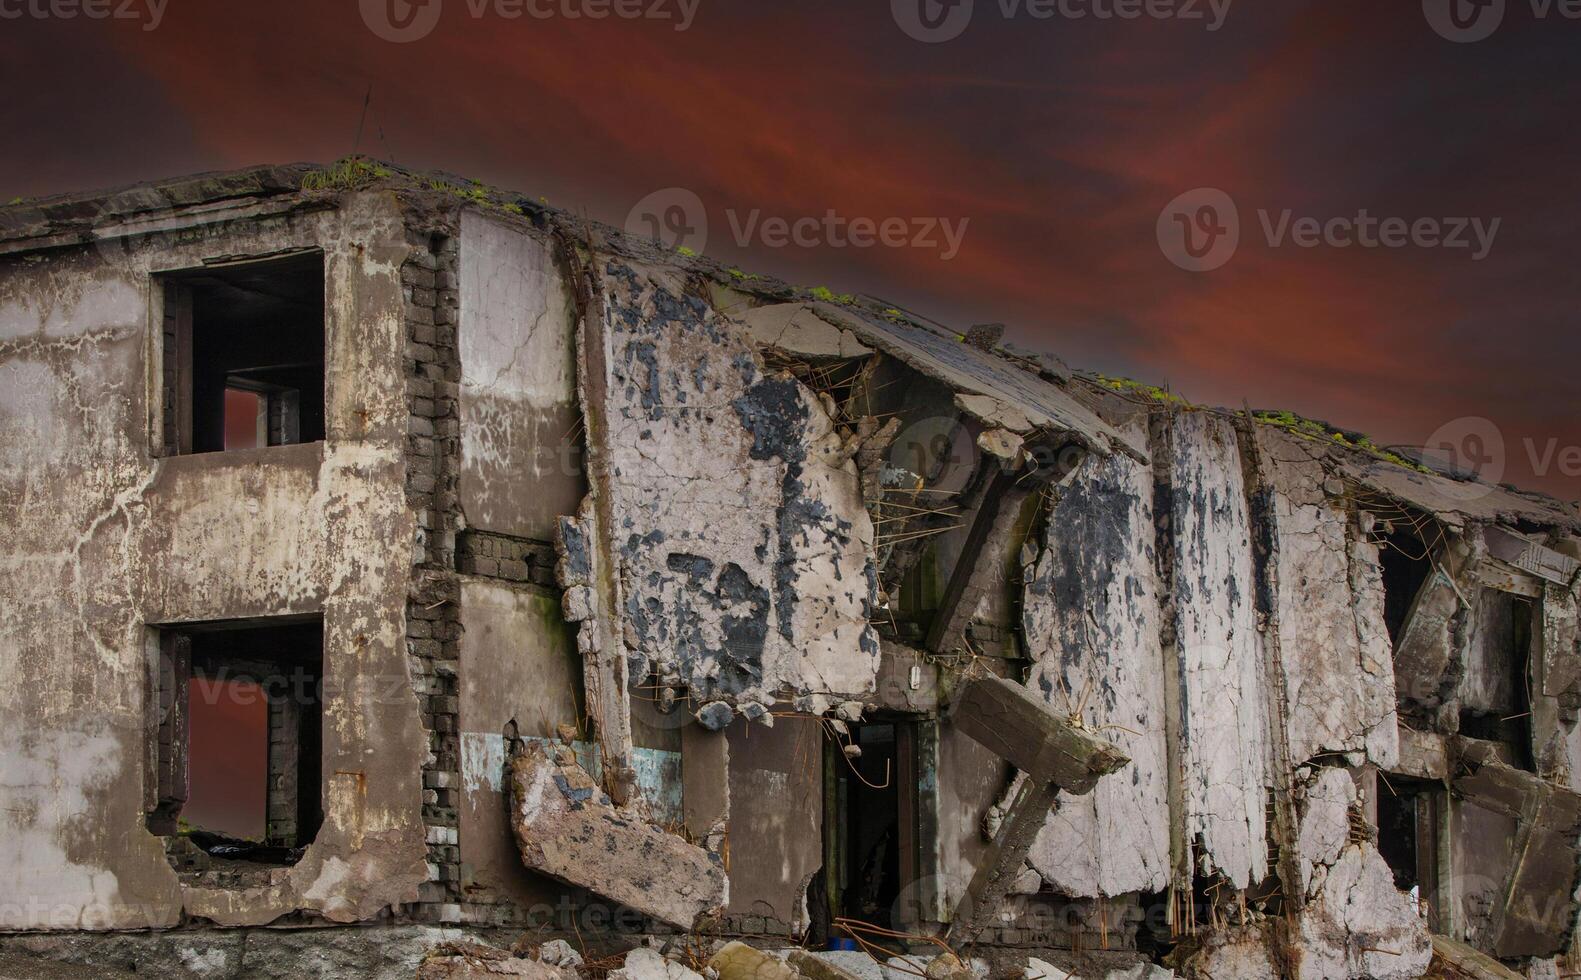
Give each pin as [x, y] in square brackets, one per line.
[347, 173]
[1312, 429]
[828, 296]
[1130, 386]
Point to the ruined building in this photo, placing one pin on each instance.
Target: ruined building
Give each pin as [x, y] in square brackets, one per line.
[387, 560]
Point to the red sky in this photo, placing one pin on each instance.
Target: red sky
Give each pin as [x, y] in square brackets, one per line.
[1058, 142]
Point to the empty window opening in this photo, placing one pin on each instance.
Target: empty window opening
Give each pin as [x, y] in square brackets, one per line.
[1410, 818]
[1496, 693]
[244, 355]
[869, 823]
[238, 770]
[1406, 562]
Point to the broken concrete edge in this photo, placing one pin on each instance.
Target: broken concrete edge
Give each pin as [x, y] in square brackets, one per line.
[568, 828]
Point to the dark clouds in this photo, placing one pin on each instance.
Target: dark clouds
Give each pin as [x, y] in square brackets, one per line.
[1059, 141]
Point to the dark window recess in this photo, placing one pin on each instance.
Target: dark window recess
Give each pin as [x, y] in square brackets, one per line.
[244, 355]
[1501, 673]
[1406, 563]
[239, 744]
[1410, 815]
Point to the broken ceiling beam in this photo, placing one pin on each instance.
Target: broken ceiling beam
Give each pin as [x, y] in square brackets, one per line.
[1429, 653]
[568, 829]
[1468, 962]
[1519, 551]
[1000, 865]
[981, 565]
[991, 543]
[1009, 720]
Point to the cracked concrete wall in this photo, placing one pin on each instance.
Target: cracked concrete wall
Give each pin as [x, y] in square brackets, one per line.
[102, 539]
[1334, 649]
[744, 548]
[1356, 924]
[520, 673]
[1224, 730]
[1091, 620]
[519, 466]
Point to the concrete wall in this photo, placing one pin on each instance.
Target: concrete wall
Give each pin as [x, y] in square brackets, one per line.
[520, 468]
[1092, 628]
[101, 539]
[518, 665]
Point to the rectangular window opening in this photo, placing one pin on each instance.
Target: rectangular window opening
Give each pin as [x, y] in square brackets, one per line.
[238, 744]
[1410, 819]
[1496, 701]
[244, 355]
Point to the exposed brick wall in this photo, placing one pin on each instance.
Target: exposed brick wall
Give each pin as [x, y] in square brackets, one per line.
[504, 556]
[433, 626]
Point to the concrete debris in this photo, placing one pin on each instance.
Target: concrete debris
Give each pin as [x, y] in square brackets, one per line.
[738, 961]
[643, 963]
[1232, 954]
[558, 952]
[829, 966]
[567, 828]
[464, 960]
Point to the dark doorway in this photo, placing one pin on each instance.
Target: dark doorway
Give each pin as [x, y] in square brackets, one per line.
[870, 813]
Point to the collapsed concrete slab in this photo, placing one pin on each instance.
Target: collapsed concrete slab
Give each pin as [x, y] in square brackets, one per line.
[567, 828]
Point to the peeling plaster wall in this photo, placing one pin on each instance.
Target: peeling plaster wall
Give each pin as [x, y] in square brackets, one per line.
[519, 665]
[519, 470]
[102, 539]
[1338, 668]
[1224, 732]
[744, 548]
[1091, 620]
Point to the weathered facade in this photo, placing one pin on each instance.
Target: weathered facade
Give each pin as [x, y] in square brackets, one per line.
[534, 579]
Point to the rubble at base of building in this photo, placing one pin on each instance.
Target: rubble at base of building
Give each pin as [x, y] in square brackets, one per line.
[566, 827]
[476, 961]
